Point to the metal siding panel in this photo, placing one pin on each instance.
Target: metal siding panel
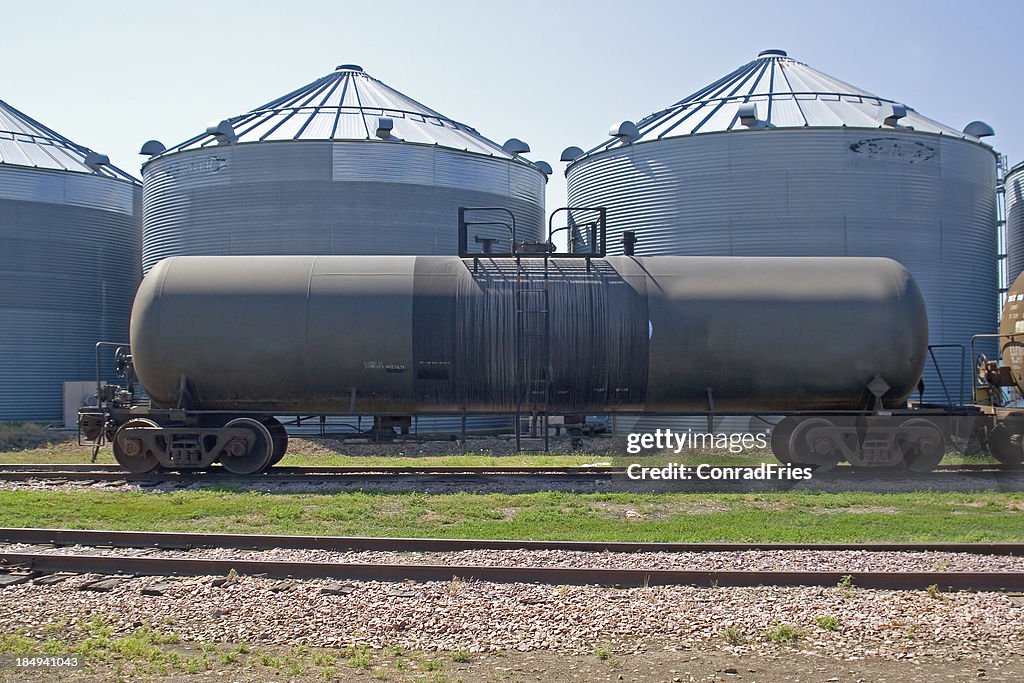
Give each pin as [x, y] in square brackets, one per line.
[326, 198]
[924, 200]
[383, 162]
[63, 187]
[67, 279]
[1014, 184]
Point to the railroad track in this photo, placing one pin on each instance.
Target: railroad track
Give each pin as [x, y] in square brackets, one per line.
[33, 563]
[101, 473]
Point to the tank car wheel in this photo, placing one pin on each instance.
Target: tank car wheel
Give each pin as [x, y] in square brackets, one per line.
[924, 454]
[280, 437]
[252, 455]
[1006, 446]
[780, 439]
[133, 454]
[822, 454]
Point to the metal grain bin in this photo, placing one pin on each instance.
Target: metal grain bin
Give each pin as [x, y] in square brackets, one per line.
[1014, 185]
[343, 165]
[69, 263]
[778, 159]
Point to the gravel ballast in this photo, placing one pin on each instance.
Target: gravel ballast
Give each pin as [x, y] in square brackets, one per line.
[748, 560]
[479, 616]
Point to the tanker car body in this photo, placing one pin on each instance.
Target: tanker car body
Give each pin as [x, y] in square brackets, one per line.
[224, 346]
[416, 335]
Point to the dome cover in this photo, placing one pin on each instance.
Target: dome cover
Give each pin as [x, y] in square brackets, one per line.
[26, 142]
[776, 91]
[347, 105]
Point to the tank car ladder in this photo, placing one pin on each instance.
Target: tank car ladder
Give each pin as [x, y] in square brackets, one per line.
[533, 355]
[531, 310]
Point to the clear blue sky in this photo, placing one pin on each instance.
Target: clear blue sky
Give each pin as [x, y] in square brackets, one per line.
[111, 75]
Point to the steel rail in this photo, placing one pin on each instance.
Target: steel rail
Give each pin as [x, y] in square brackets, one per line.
[156, 566]
[173, 540]
[321, 470]
[10, 470]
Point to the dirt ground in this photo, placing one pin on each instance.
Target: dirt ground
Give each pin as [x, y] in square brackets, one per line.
[791, 664]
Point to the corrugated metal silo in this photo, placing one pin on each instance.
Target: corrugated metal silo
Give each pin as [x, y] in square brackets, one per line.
[1014, 186]
[777, 158]
[343, 165]
[69, 263]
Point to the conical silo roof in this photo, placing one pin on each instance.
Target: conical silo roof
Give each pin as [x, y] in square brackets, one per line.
[347, 105]
[26, 142]
[784, 93]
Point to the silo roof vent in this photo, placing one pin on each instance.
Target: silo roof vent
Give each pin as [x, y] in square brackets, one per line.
[748, 115]
[625, 131]
[571, 154]
[96, 161]
[152, 147]
[893, 114]
[223, 132]
[515, 146]
[979, 129]
[384, 127]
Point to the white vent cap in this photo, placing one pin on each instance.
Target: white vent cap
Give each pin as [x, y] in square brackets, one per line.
[625, 131]
[515, 146]
[893, 113]
[223, 131]
[747, 114]
[384, 127]
[152, 147]
[571, 154]
[96, 161]
[979, 129]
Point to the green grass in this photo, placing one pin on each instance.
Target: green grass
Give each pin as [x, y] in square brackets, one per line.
[145, 651]
[732, 635]
[794, 516]
[827, 622]
[148, 652]
[784, 633]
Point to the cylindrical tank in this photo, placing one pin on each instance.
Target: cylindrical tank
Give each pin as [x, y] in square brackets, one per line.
[343, 165]
[69, 263]
[1014, 186]
[1011, 324]
[422, 335]
[778, 159]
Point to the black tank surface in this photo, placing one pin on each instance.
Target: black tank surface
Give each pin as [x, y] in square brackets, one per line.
[437, 334]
